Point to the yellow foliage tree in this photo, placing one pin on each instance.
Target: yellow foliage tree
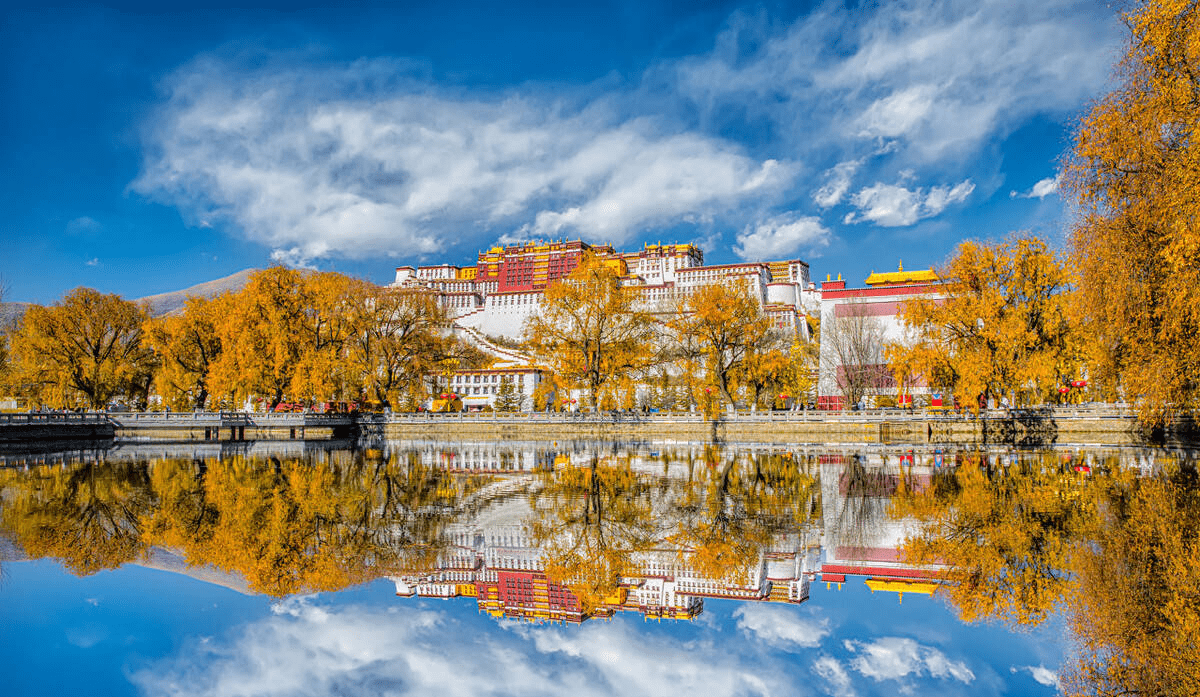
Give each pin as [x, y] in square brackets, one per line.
[87, 516]
[84, 350]
[591, 521]
[187, 345]
[1135, 172]
[1005, 532]
[722, 326]
[589, 330]
[1003, 326]
[263, 334]
[401, 336]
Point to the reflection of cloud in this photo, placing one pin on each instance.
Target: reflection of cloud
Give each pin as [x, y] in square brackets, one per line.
[781, 626]
[832, 671]
[303, 649]
[892, 658]
[1041, 674]
[86, 637]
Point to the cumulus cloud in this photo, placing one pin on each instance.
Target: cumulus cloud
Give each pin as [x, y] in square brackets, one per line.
[780, 626]
[934, 79]
[837, 183]
[834, 673]
[892, 658]
[1042, 189]
[304, 649]
[94, 261]
[890, 205]
[1041, 674]
[84, 225]
[312, 163]
[781, 236]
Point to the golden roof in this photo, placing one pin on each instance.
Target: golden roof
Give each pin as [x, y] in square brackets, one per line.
[898, 586]
[901, 276]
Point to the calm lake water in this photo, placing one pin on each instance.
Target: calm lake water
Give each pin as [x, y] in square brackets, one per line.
[597, 568]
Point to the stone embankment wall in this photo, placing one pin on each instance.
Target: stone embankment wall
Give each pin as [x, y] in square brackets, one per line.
[1101, 426]
[1093, 426]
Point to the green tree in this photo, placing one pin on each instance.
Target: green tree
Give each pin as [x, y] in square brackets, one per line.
[509, 397]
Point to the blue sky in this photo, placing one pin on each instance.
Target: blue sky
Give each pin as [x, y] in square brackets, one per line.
[149, 149]
[138, 631]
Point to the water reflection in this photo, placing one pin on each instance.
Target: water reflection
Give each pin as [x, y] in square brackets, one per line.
[566, 531]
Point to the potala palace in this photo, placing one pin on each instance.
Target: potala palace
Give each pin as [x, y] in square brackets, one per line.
[507, 284]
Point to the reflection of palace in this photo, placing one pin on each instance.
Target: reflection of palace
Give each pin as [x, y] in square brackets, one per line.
[861, 538]
[494, 561]
[501, 567]
[657, 528]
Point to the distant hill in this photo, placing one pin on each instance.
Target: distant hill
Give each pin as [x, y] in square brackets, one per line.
[11, 313]
[161, 304]
[167, 303]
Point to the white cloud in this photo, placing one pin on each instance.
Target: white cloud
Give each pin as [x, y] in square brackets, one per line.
[781, 626]
[889, 205]
[83, 225]
[303, 649]
[781, 236]
[940, 77]
[302, 161]
[834, 673]
[94, 261]
[892, 658]
[837, 183]
[1041, 674]
[1042, 189]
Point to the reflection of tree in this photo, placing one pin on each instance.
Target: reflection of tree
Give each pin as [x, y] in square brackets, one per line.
[1136, 609]
[590, 522]
[732, 507]
[86, 516]
[287, 526]
[1005, 532]
[290, 527]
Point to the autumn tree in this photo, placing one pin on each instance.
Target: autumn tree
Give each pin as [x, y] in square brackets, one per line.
[321, 370]
[589, 330]
[187, 345]
[88, 516]
[1006, 533]
[999, 323]
[853, 343]
[262, 337]
[1135, 609]
[85, 350]
[722, 326]
[1135, 172]
[768, 370]
[402, 336]
[591, 521]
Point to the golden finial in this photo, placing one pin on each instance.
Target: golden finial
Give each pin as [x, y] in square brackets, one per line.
[901, 264]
